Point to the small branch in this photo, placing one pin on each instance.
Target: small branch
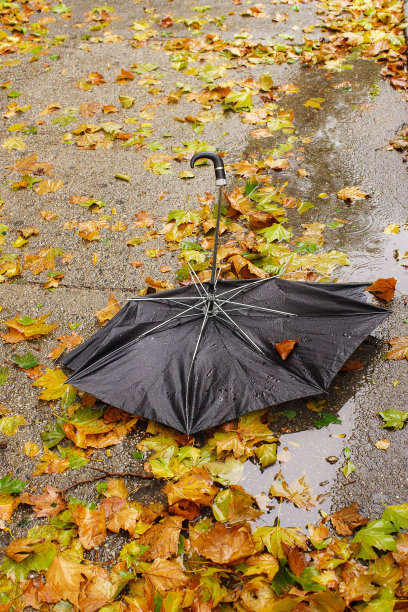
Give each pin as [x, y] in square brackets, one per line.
[143, 476]
[107, 473]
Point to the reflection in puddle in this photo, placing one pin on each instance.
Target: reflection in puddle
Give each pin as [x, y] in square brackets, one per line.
[308, 452]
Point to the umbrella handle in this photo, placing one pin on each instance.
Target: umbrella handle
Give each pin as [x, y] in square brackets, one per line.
[220, 178]
[220, 181]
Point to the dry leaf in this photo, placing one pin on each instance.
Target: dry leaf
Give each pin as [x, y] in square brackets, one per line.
[224, 544]
[107, 313]
[399, 348]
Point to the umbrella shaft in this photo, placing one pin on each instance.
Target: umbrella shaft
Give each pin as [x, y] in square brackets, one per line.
[211, 285]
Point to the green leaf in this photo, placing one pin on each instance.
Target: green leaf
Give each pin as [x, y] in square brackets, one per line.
[25, 361]
[238, 101]
[190, 246]
[4, 374]
[349, 468]
[377, 534]
[76, 457]
[53, 435]
[393, 418]
[306, 579]
[275, 232]
[14, 94]
[284, 579]
[266, 454]
[397, 515]
[10, 485]
[26, 320]
[326, 419]
[9, 424]
[304, 206]
[290, 414]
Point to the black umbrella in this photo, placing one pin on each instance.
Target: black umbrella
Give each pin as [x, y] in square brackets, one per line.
[197, 356]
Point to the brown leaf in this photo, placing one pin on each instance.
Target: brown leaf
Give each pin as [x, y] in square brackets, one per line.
[166, 22]
[91, 525]
[185, 508]
[244, 268]
[166, 575]
[65, 343]
[224, 544]
[107, 313]
[351, 365]
[298, 492]
[297, 560]
[49, 503]
[162, 539]
[383, 288]
[238, 202]
[399, 348]
[346, 520]
[143, 219]
[197, 486]
[285, 347]
[64, 579]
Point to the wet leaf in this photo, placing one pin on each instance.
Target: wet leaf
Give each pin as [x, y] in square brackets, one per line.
[393, 418]
[196, 486]
[223, 544]
[9, 424]
[375, 535]
[285, 348]
[399, 348]
[383, 288]
[234, 505]
[349, 194]
[298, 492]
[107, 313]
[346, 520]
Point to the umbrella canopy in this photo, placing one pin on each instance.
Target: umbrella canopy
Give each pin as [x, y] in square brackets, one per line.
[198, 356]
[169, 359]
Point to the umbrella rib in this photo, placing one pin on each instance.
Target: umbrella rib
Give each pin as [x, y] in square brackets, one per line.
[253, 344]
[253, 307]
[121, 348]
[196, 277]
[192, 363]
[174, 300]
[238, 291]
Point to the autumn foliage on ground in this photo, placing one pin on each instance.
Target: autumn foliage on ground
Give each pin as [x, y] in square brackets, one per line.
[200, 548]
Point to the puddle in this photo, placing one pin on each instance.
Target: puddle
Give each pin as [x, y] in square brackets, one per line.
[308, 453]
[308, 448]
[348, 146]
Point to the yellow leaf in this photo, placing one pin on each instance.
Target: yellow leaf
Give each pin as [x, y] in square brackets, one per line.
[31, 449]
[14, 142]
[9, 424]
[53, 383]
[107, 313]
[48, 186]
[392, 229]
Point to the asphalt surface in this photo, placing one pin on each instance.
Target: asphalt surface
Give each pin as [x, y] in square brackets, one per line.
[348, 147]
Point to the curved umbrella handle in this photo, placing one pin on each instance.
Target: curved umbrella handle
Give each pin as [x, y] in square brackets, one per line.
[220, 177]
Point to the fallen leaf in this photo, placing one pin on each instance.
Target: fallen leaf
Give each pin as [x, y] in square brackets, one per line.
[285, 347]
[107, 313]
[349, 194]
[223, 543]
[399, 348]
[298, 492]
[346, 520]
[383, 444]
[383, 288]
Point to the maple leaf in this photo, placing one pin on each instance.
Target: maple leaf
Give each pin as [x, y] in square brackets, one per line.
[196, 486]
[394, 418]
[351, 365]
[376, 534]
[105, 314]
[65, 343]
[64, 579]
[346, 520]
[298, 492]
[9, 424]
[383, 288]
[234, 505]
[222, 543]
[397, 515]
[349, 194]
[91, 525]
[285, 347]
[165, 575]
[162, 539]
[89, 230]
[278, 540]
[53, 383]
[25, 328]
[50, 503]
[399, 348]
[48, 186]
[244, 268]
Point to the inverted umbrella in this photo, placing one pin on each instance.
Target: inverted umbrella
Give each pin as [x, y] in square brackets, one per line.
[194, 357]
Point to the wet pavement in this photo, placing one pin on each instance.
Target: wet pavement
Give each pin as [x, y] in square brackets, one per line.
[349, 137]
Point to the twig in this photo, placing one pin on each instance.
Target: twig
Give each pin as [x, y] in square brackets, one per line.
[349, 482]
[132, 474]
[107, 473]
